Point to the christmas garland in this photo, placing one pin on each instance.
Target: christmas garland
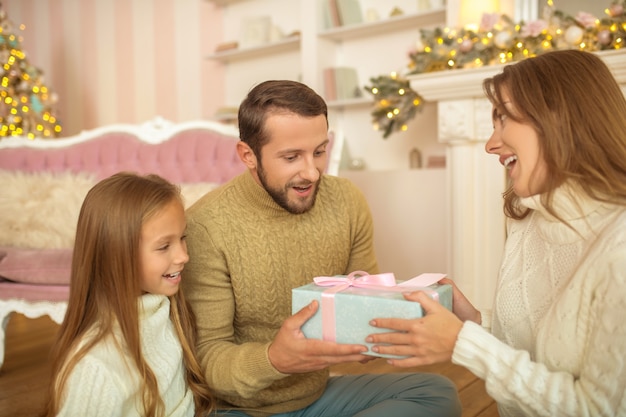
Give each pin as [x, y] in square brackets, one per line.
[498, 40]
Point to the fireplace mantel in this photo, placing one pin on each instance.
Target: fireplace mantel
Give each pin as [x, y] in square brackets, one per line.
[464, 83]
[475, 179]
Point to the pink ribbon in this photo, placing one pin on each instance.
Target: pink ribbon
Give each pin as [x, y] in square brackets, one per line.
[357, 279]
[361, 279]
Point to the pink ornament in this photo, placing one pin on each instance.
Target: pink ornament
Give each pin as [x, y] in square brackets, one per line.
[466, 46]
[604, 37]
[616, 10]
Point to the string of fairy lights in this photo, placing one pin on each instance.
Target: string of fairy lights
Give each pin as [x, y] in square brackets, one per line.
[497, 40]
[26, 103]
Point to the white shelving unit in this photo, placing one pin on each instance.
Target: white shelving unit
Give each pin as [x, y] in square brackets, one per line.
[242, 54]
[373, 48]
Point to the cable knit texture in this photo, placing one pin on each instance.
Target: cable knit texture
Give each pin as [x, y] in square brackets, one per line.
[106, 383]
[246, 254]
[560, 338]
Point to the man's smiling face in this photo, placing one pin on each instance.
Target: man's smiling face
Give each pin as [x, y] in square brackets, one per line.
[292, 162]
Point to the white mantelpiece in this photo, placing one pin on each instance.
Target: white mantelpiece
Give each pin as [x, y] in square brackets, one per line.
[475, 179]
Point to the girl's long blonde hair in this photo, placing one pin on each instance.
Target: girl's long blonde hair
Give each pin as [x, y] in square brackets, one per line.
[102, 295]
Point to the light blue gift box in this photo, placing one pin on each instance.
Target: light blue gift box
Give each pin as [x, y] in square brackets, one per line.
[355, 307]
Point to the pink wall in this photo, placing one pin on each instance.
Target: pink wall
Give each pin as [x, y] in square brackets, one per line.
[123, 61]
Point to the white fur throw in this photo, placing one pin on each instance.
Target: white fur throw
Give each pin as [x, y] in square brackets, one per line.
[40, 210]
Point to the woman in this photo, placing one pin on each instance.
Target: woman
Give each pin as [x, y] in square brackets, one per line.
[558, 338]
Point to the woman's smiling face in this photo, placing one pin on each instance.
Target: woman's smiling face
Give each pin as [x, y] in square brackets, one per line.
[517, 144]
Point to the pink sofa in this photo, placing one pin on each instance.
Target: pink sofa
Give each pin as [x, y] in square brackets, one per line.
[43, 182]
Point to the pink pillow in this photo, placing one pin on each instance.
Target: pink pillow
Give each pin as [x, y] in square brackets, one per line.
[36, 266]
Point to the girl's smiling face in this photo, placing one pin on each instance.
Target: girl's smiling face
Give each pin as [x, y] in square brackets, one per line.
[163, 250]
[517, 144]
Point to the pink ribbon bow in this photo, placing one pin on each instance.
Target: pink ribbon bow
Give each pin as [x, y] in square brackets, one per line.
[357, 279]
[361, 279]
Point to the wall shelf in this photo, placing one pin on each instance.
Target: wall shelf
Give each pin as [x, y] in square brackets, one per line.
[351, 102]
[221, 3]
[407, 21]
[285, 45]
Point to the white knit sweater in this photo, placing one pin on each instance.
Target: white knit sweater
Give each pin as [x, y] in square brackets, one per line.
[106, 383]
[559, 322]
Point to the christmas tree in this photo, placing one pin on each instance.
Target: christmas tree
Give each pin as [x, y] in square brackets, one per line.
[26, 103]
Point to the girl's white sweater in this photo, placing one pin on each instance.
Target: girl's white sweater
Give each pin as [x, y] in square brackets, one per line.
[106, 383]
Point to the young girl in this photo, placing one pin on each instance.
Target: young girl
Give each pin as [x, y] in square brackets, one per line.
[126, 346]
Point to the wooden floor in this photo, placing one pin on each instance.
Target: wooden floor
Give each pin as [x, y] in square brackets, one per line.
[24, 376]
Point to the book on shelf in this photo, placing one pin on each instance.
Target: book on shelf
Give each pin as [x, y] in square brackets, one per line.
[341, 83]
[341, 12]
[349, 12]
[330, 14]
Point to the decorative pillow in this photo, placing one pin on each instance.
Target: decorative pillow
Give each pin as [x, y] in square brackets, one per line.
[36, 266]
[40, 210]
[193, 192]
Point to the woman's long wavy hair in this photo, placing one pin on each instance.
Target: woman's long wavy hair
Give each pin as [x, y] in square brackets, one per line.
[578, 110]
[106, 254]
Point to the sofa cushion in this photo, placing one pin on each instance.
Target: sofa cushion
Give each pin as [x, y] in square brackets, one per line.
[36, 266]
[193, 192]
[30, 292]
[40, 210]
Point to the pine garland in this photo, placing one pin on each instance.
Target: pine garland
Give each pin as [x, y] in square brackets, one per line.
[498, 40]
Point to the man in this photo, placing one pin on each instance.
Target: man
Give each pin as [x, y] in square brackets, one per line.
[271, 229]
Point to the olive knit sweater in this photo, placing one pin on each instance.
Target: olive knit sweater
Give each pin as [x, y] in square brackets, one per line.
[246, 254]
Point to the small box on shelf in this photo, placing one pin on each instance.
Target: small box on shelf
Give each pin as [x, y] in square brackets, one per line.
[226, 46]
[255, 31]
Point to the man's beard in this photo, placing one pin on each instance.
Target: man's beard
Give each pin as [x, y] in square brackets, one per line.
[281, 196]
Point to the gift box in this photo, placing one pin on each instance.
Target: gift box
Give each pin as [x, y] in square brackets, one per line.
[349, 303]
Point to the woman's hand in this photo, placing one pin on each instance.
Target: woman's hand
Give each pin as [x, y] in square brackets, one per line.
[461, 305]
[425, 340]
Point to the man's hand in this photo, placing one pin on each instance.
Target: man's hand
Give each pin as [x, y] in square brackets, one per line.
[291, 352]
